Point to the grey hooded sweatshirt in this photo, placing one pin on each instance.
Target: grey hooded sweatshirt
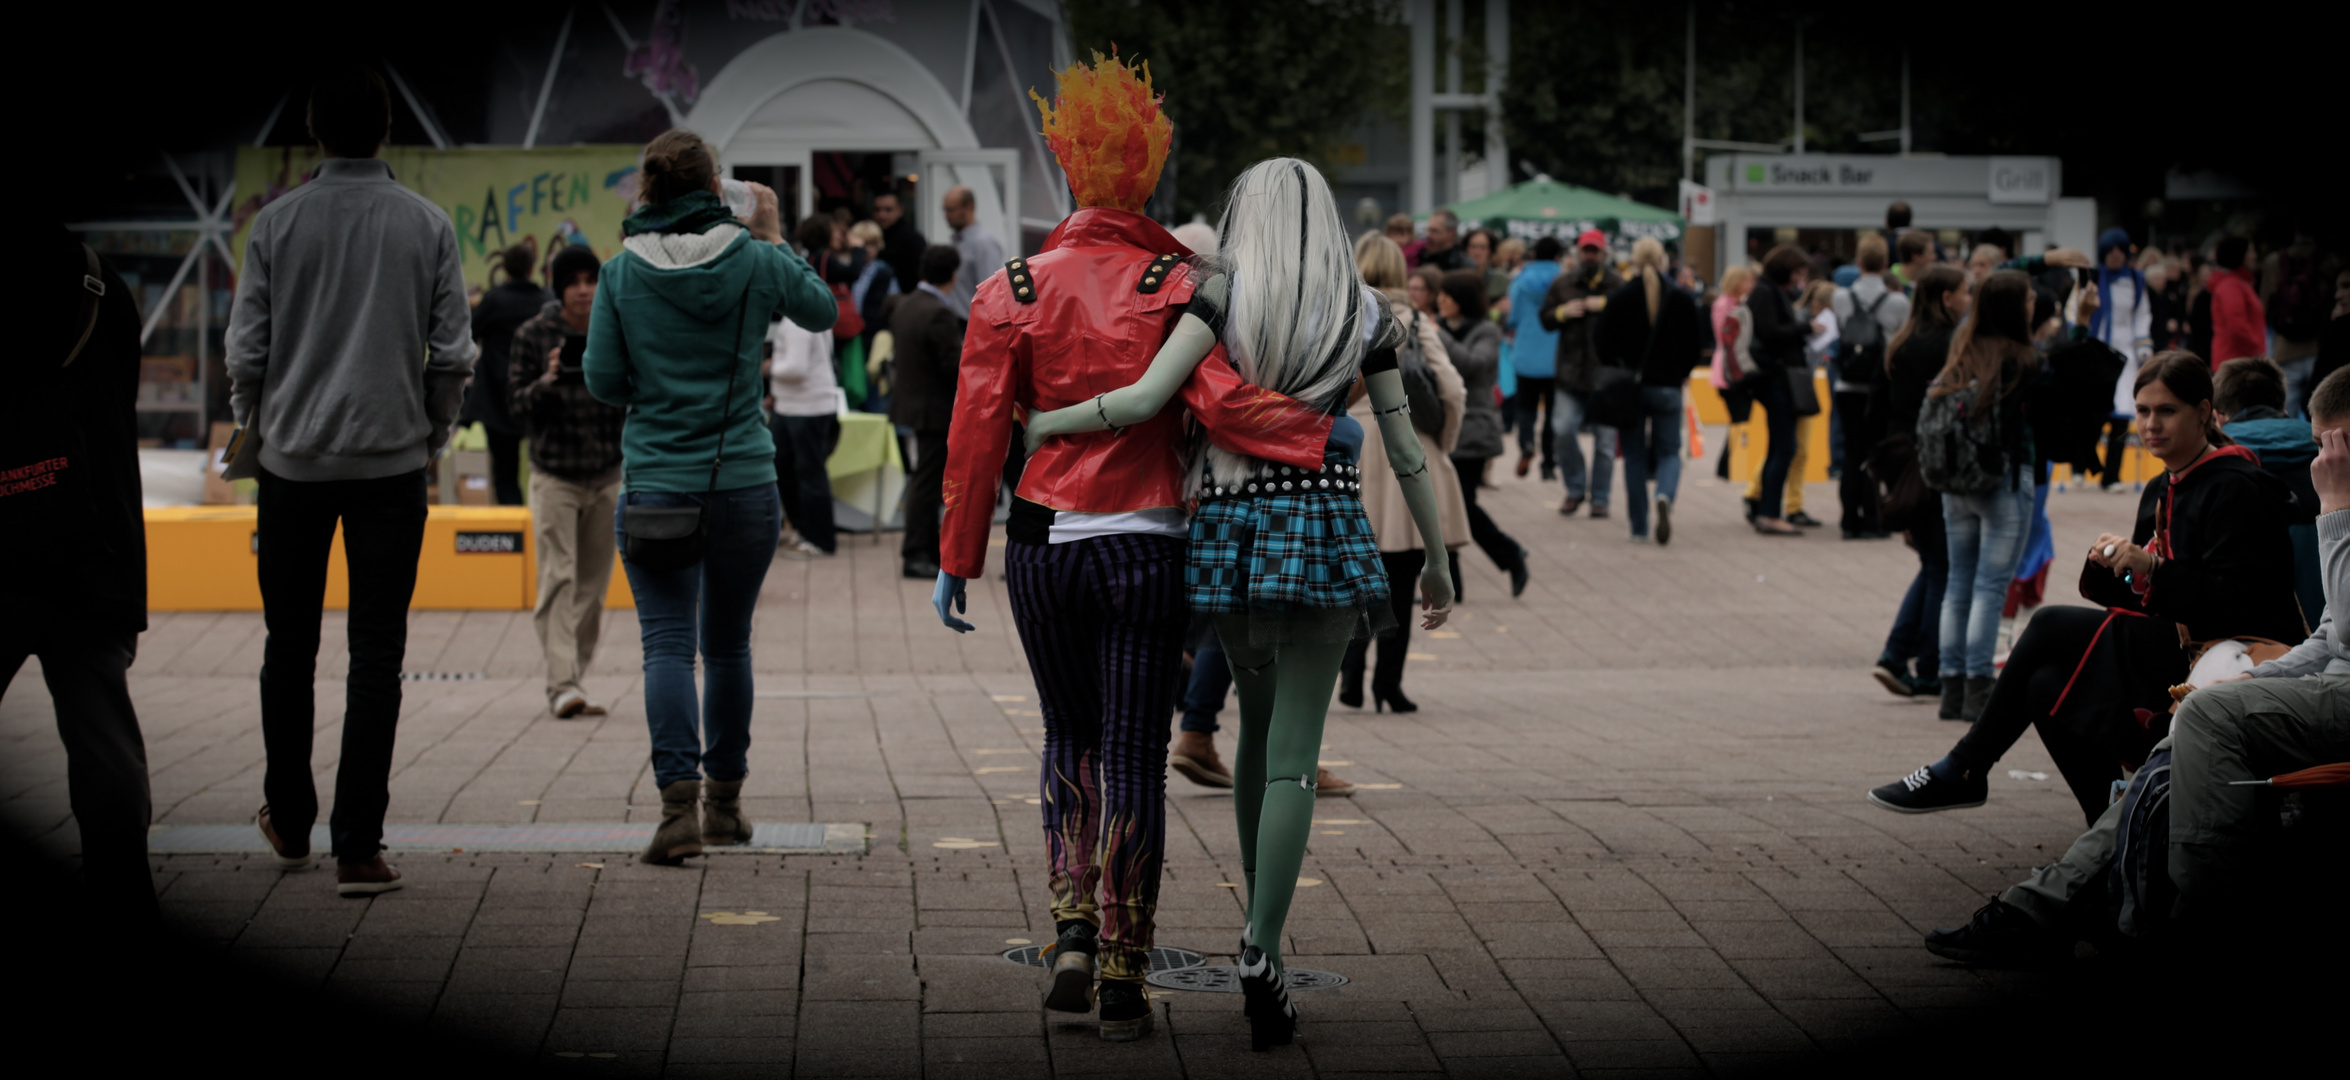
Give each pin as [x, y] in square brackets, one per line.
[351, 329]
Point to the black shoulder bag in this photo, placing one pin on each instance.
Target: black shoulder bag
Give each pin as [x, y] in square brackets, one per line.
[675, 537]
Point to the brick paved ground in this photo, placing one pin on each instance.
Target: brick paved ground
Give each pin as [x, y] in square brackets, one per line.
[1625, 832]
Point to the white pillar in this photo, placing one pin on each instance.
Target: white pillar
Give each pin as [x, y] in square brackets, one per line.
[1450, 182]
[1423, 30]
[1799, 87]
[1497, 71]
[1689, 101]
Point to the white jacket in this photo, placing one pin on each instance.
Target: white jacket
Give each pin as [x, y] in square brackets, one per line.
[2129, 329]
[800, 375]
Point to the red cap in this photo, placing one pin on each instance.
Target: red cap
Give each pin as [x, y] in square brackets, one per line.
[1592, 238]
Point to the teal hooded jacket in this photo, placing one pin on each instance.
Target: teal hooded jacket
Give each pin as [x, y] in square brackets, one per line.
[677, 315]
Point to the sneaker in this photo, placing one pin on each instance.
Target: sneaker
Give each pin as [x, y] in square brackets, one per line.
[918, 570]
[1805, 520]
[290, 856]
[1598, 512]
[1664, 521]
[1953, 699]
[810, 550]
[1894, 677]
[1526, 461]
[366, 879]
[570, 703]
[1925, 688]
[1922, 792]
[1573, 503]
[1550, 472]
[2000, 935]
[1126, 1010]
[1073, 963]
[1327, 785]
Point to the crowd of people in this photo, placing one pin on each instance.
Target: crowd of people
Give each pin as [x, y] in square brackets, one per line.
[670, 431]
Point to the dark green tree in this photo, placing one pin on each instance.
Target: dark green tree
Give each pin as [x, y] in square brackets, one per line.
[1245, 82]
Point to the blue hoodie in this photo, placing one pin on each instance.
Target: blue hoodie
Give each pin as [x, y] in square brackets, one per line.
[1534, 351]
[2286, 449]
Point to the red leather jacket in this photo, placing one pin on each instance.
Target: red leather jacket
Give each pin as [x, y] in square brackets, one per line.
[1089, 330]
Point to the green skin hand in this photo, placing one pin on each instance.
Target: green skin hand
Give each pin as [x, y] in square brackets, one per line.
[1285, 690]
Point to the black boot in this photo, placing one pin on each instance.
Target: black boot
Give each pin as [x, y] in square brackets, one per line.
[2000, 935]
[1073, 964]
[1978, 696]
[1953, 698]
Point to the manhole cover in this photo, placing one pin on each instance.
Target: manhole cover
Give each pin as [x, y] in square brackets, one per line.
[1162, 957]
[1226, 980]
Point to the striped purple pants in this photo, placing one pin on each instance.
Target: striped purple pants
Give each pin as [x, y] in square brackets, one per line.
[1102, 621]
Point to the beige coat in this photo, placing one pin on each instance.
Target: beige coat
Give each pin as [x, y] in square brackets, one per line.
[1391, 518]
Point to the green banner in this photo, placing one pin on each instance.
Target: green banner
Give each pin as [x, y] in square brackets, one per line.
[495, 197]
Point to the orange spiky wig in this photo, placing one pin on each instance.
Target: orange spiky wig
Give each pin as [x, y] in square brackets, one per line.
[1106, 128]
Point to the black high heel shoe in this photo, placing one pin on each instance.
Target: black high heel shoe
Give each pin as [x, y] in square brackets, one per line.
[1350, 688]
[1272, 1019]
[1519, 573]
[1383, 700]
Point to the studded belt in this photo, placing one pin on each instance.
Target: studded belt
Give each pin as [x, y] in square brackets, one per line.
[1286, 480]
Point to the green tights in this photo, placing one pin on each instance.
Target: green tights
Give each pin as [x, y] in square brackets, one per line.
[1284, 695]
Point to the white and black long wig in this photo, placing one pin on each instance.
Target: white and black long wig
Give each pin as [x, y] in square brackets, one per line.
[1297, 319]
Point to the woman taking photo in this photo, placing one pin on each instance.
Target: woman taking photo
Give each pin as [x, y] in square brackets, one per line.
[1912, 359]
[675, 339]
[1778, 354]
[2208, 559]
[1473, 343]
[1651, 326]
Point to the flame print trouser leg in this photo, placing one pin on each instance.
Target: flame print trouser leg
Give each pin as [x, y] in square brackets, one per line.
[1102, 621]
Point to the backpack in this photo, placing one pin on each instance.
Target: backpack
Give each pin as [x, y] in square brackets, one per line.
[1955, 456]
[1419, 384]
[2138, 884]
[1860, 352]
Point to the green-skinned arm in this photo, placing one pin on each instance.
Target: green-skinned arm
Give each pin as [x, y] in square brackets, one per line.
[1410, 463]
[1185, 348]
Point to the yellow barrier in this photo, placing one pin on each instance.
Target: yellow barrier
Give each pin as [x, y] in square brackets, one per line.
[475, 558]
[1750, 441]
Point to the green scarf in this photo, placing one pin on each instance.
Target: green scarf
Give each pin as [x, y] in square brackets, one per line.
[697, 212]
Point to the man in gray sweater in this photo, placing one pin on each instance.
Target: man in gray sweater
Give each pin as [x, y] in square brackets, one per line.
[2287, 714]
[348, 351]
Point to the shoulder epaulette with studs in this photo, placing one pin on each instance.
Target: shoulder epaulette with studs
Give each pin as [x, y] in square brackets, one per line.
[1023, 283]
[1155, 274]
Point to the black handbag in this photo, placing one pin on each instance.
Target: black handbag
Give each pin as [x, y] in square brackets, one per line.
[675, 537]
[1615, 391]
[1419, 383]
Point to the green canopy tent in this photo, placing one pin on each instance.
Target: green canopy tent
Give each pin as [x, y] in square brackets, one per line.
[1545, 207]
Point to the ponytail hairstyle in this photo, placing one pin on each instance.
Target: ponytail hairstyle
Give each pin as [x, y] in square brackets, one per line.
[519, 260]
[677, 162]
[1999, 330]
[1648, 260]
[2188, 378]
[1930, 307]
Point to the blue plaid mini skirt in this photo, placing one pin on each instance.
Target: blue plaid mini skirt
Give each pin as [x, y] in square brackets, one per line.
[1303, 567]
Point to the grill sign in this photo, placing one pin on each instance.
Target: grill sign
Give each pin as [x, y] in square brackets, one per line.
[489, 543]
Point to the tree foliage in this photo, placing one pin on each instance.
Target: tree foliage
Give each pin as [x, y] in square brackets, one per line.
[1245, 82]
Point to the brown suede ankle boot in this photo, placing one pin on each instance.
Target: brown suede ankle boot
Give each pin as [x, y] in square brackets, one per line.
[723, 822]
[680, 834]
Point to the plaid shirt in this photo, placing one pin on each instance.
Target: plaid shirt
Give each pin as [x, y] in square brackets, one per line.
[572, 435]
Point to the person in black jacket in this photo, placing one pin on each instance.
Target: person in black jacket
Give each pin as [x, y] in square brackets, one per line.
[1778, 350]
[2209, 558]
[504, 307]
[1912, 359]
[926, 351]
[74, 539]
[1652, 327]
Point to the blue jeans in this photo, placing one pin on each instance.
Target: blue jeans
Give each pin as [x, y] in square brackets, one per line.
[1653, 445]
[1917, 627]
[1987, 535]
[1566, 421]
[1778, 403]
[1211, 681]
[705, 607]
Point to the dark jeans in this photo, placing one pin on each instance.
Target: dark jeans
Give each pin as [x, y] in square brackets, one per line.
[1917, 626]
[802, 445]
[1854, 489]
[704, 608]
[924, 502]
[1211, 681]
[105, 757]
[1403, 587]
[1496, 544]
[1652, 449]
[1778, 405]
[1531, 417]
[2117, 443]
[383, 532]
[505, 466]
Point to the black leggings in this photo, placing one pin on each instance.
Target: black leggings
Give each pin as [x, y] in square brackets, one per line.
[1403, 587]
[1496, 544]
[2045, 658]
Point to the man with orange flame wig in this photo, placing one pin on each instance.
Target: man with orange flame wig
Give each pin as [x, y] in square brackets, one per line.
[1097, 539]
